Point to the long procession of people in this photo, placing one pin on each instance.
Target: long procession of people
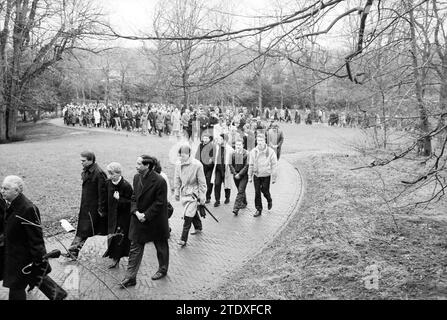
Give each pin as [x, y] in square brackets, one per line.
[168, 119]
[234, 149]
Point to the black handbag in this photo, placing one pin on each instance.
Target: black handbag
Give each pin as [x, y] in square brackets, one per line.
[170, 210]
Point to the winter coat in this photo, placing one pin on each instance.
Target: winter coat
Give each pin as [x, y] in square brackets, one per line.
[160, 121]
[205, 155]
[185, 120]
[24, 243]
[93, 201]
[150, 196]
[118, 216]
[262, 163]
[222, 160]
[190, 184]
[176, 121]
[275, 138]
[239, 163]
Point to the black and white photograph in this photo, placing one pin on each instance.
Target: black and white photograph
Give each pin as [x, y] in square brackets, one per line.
[241, 152]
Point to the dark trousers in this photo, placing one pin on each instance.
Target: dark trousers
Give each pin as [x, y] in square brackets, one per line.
[241, 197]
[17, 294]
[136, 255]
[195, 221]
[209, 184]
[262, 184]
[76, 245]
[218, 181]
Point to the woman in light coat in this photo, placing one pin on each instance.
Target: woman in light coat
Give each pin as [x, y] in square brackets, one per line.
[190, 188]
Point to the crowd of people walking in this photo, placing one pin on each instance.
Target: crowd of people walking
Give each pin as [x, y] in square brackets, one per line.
[236, 148]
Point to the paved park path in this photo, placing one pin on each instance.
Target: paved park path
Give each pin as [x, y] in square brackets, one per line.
[194, 270]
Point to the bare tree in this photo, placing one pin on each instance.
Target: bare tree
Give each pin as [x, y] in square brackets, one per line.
[39, 33]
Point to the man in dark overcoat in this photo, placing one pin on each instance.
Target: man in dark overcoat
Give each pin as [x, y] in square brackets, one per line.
[92, 213]
[149, 220]
[23, 237]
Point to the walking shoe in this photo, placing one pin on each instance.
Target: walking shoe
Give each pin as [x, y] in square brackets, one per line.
[208, 201]
[236, 211]
[71, 256]
[128, 282]
[195, 232]
[114, 264]
[270, 205]
[257, 214]
[181, 243]
[217, 203]
[158, 275]
[227, 201]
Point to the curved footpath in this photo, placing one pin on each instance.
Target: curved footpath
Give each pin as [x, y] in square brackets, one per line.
[222, 248]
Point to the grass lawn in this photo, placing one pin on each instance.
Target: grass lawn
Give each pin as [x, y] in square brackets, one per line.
[346, 243]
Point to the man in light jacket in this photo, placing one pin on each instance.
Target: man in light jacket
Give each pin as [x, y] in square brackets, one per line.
[262, 169]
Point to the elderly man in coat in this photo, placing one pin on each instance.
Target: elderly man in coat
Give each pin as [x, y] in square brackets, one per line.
[149, 219]
[23, 237]
[93, 209]
[190, 188]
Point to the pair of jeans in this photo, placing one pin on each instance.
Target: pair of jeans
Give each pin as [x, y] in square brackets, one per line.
[262, 185]
[136, 255]
[241, 197]
[195, 221]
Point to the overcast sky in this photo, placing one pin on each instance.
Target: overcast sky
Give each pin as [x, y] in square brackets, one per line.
[132, 17]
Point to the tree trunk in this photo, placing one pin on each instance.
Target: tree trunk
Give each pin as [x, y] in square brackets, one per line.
[185, 89]
[425, 147]
[11, 115]
[282, 99]
[443, 88]
[2, 123]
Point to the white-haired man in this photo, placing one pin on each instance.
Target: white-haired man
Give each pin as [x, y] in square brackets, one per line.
[24, 242]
